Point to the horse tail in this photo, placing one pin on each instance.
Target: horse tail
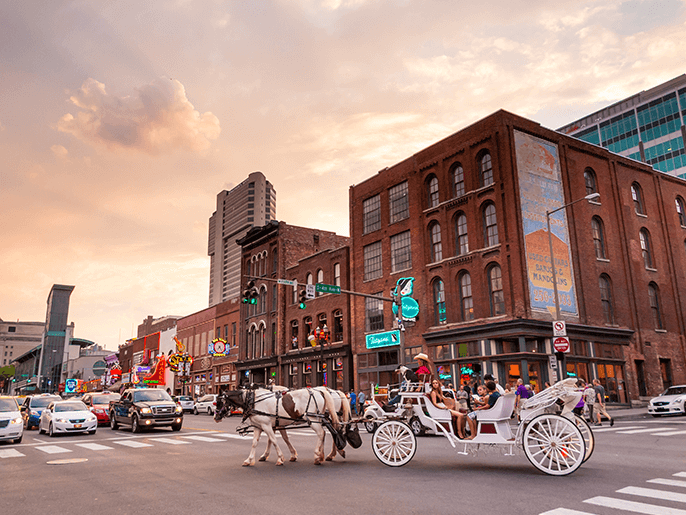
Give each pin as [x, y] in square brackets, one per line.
[331, 407]
[345, 406]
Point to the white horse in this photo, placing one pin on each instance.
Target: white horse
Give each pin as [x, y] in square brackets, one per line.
[342, 407]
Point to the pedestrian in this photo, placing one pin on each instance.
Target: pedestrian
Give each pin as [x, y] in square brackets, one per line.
[360, 401]
[589, 399]
[599, 407]
[353, 401]
[579, 408]
[521, 394]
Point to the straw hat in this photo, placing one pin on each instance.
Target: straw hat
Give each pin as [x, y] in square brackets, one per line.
[423, 356]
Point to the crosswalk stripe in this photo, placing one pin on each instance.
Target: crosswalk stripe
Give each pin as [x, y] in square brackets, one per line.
[636, 507]
[680, 474]
[605, 430]
[203, 438]
[671, 433]
[565, 511]
[667, 482]
[653, 494]
[234, 437]
[94, 446]
[649, 430]
[10, 453]
[53, 449]
[171, 441]
[132, 443]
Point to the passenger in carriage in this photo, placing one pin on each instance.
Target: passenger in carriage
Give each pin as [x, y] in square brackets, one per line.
[441, 401]
[493, 395]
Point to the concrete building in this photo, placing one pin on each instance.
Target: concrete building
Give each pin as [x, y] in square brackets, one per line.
[647, 126]
[251, 203]
[17, 338]
[86, 361]
[464, 220]
[56, 338]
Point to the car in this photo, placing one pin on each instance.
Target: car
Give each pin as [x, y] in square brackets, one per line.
[185, 402]
[33, 407]
[99, 404]
[67, 417]
[206, 404]
[11, 423]
[145, 407]
[669, 402]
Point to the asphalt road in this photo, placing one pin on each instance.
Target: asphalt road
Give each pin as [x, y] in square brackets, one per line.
[198, 470]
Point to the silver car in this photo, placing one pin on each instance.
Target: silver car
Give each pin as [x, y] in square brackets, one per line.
[11, 422]
[185, 402]
[67, 417]
[669, 402]
[206, 404]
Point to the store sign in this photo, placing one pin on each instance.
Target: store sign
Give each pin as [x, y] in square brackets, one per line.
[218, 347]
[70, 386]
[224, 379]
[386, 339]
[404, 288]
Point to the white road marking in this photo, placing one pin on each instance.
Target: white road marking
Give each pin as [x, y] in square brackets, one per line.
[132, 443]
[53, 449]
[636, 507]
[649, 430]
[653, 494]
[235, 437]
[565, 511]
[680, 474]
[203, 438]
[10, 453]
[170, 441]
[614, 429]
[671, 433]
[94, 446]
[668, 482]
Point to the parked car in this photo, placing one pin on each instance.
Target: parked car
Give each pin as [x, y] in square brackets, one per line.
[145, 407]
[206, 404]
[67, 417]
[669, 402]
[33, 407]
[99, 404]
[185, 402]
[11, 423]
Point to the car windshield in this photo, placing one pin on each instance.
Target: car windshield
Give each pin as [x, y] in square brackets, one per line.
[8, 405]
[70, 406]
[185, 399]
[676, 390]
[42, 402]
[151, 395]
[105, 399]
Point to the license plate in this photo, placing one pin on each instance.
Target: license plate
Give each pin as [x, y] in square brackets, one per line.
[661, 409]
[77, 426]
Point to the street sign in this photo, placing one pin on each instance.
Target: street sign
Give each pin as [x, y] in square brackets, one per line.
[327, 288]
[309, 291]
[561, 344]
[559, 328]
[410, 308]
[385, 339]
[553, 361]
[287, 282]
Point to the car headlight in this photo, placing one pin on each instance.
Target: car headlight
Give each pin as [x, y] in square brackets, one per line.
[179, 409]
[91, 418]
[17, 420]
[62, 420]
[146, 410]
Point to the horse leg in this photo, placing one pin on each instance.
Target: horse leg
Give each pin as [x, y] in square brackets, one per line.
[334, 449]
[272, 438]
[294, 453]
[265, 456]
[319, 448]
[250, 461]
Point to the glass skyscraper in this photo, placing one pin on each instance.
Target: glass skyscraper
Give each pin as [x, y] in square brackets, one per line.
[647, 127]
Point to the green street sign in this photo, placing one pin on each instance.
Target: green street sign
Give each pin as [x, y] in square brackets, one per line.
[327, 288]
[385, 339]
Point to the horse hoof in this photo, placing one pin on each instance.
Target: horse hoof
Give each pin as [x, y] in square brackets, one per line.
[262, 458]
[342, 453]
[294, 458]
[248, 464]
[279, 463]
[317, 462]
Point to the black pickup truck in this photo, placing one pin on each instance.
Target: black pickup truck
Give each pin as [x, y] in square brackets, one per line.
[145, 407]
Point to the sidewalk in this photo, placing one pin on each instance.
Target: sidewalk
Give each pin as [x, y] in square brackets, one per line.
[621, 413]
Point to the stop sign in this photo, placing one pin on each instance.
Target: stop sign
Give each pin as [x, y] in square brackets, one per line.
[561, 344]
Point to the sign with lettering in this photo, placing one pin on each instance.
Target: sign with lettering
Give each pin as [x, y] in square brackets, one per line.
[385, 339]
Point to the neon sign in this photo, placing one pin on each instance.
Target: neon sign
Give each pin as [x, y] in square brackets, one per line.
[218, 347]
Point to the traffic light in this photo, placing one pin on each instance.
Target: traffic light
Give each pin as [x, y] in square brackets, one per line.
[302, 299]
[250, 294]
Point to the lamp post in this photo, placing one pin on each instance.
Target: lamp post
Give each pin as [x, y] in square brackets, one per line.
[592, 196]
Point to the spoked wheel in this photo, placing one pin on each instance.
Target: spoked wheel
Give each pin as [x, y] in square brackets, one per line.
[554, 445]
[394, 444]
[587, 433]
[370, 425]
[416, 426]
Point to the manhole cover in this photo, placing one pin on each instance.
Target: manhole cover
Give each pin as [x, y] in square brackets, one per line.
[67, 462]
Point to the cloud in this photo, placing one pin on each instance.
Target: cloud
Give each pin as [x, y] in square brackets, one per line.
[155, 118]
[59, 151]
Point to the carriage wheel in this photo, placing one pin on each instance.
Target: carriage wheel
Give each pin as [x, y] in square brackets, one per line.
[394, 444]
[589, 438]
[554, 445]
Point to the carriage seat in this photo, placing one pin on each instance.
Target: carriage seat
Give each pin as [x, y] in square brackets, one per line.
[438, 414]
[502, 410]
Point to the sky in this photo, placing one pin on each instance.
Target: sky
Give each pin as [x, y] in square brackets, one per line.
[121, 121]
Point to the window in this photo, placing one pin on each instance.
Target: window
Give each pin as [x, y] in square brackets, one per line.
[466, 301]
[308, 278]
[457, 174]
[680, 211]
[589, 179]
[373, 309]
[495, 286]
[320, 280]
[606, 299]
[646, 248]
[295, 293]
[322, 320]
[436, 245]
[637, 197]
[598, 237]
[372, 261]
[307, 322]
[432, 192]
[337, 274]
[462, 239]
[401, 253]
[490, 226]
[439, 302]
[274, 297]
[486, 169]
[398, 202]
[371, 213]
[653, 296]
[337, 335]
[294, 334]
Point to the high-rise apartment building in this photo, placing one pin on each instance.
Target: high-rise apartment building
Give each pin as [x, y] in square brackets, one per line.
[647, 127]
[251, 203]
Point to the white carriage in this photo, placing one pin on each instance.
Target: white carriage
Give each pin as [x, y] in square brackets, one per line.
[552, 437]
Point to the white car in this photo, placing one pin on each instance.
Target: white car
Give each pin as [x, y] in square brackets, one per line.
[11, 421]
[185, 402]
[67, 417]
[669, 402]
[206, 404]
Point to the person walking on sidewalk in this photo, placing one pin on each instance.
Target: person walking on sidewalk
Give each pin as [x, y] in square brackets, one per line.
[589, 397]
[599, 406]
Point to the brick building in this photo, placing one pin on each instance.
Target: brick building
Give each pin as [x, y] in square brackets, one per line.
[268, 349]
[466, 218]
[153, 325]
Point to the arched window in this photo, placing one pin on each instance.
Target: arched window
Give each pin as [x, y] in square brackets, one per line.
[432, 191]
[322, 320]
[637, 196]
[495, 287]
[436, 244]
[295, 293]
[337, 274]
[598, 237]
[490, 226]
[457, 175]
[263, 299]
[654, 296]
[294, 334]
[308, 278]
[680, 211]
[646, 248]
[589, 179]
[466, 301]
[320, 279]
[486, 169]
[439, 302]
[275, 260]
[606, 299]
[462, 239]
[337, 333]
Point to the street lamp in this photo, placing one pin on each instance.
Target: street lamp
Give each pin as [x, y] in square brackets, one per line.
[592, 196]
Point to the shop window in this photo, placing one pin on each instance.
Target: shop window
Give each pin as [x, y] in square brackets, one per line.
[388, 358]
[467, 349]
[442, 352]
